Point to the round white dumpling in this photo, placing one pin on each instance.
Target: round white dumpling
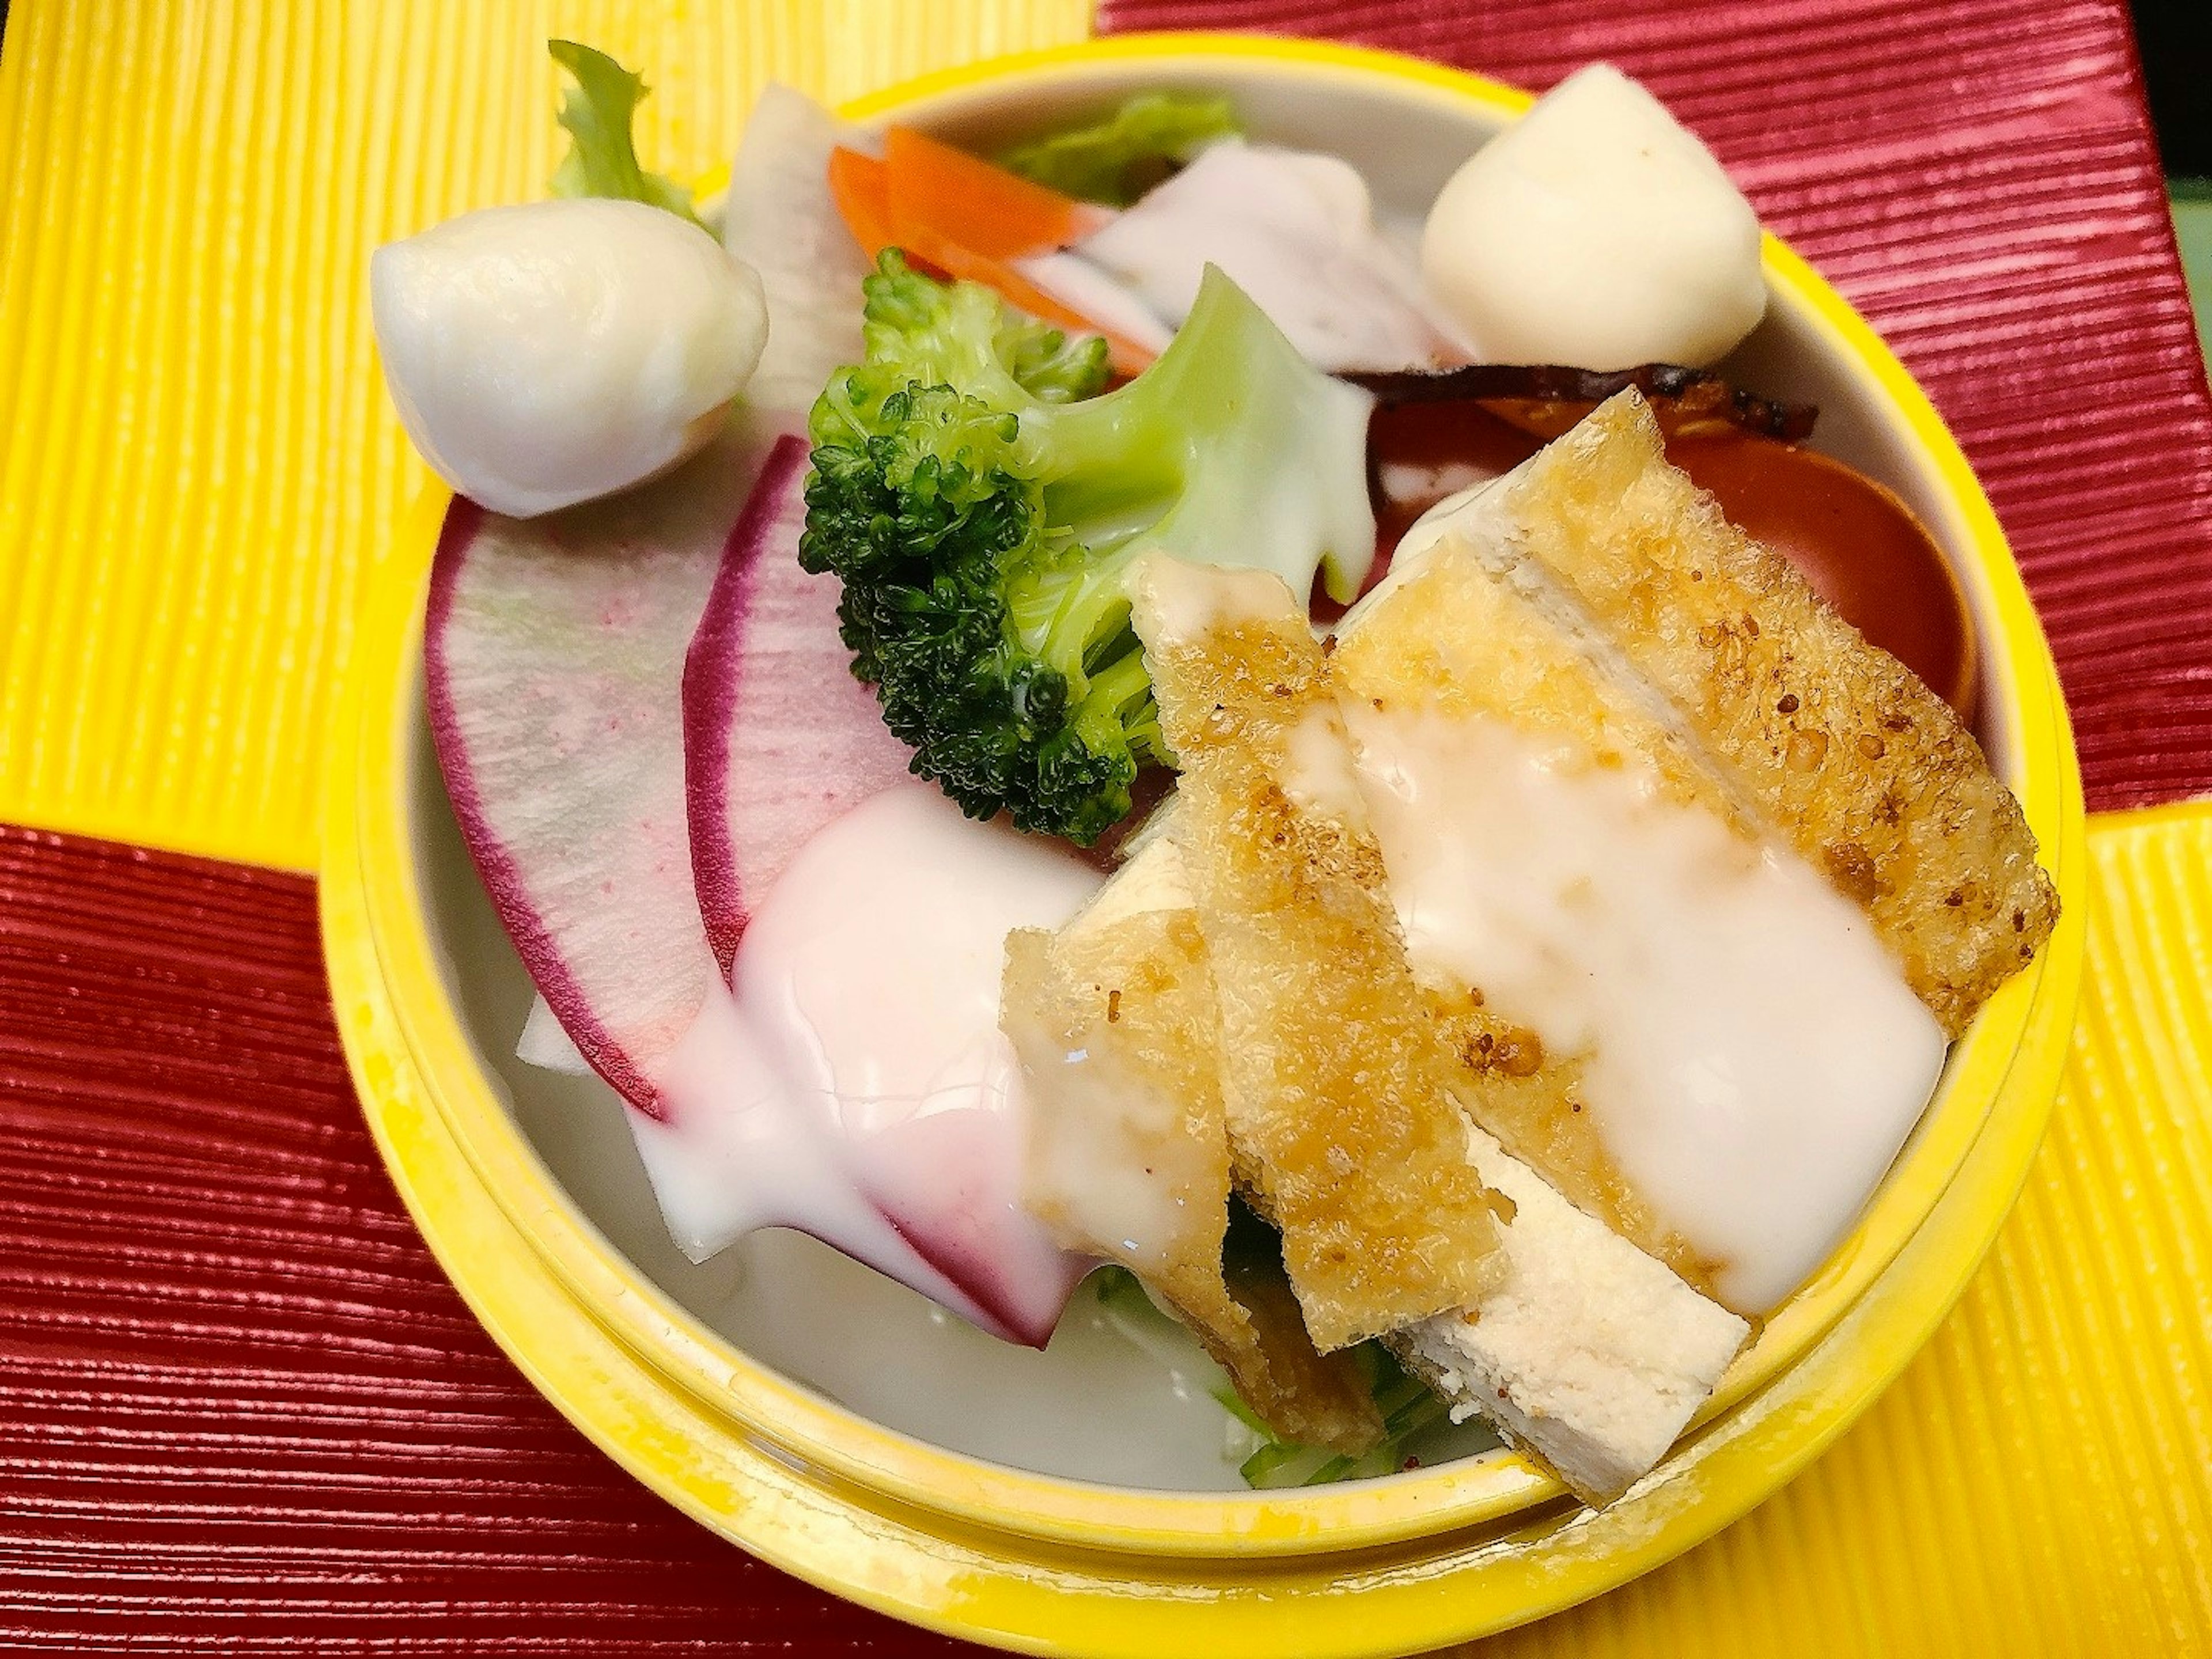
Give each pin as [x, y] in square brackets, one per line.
[545, 354]
[1596, 231]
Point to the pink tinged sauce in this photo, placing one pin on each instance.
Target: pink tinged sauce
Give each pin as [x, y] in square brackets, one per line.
[849, 1080]
[853, 1083]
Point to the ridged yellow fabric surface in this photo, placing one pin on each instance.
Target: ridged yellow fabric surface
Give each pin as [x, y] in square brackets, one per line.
[2040, 1482]
[199, 468]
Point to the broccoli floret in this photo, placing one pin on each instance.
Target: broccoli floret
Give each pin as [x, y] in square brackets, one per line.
[982, 506]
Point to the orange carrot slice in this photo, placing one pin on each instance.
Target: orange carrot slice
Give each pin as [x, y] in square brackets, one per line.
[985, 209]
[1126, 356]
[858, 185]
[866, 192]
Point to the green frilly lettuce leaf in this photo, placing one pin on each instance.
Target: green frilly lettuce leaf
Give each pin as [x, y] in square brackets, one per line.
[1117, 160]
[602, 159]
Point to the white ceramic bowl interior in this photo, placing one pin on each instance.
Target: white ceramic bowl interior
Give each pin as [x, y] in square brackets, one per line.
[1092, 1407]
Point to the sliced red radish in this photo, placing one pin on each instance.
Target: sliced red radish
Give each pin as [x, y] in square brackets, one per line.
[782, 744]
[779, 738]
[553, 656]
[951, 1184]
[561, 707]
[554, 659]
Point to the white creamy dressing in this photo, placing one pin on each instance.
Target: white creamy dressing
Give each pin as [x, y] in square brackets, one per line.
[1317, 773]
[1185, 601]
[1116, 1162]
[1296, 230]
[854, 1084]
[1753, 1057]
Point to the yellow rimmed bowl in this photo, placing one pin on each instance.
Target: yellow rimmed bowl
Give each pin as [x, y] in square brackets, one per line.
[920, 1493]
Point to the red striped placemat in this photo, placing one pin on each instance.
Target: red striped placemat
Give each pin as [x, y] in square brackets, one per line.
[1978, 177]
[239, 1407]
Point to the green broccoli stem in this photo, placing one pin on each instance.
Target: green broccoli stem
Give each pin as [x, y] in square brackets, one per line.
[1118, 704]
[1230, 450]
[1064, 611]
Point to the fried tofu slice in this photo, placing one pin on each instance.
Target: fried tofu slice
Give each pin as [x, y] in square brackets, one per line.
[1586, 1353]
[1450, 639]
[1115, 1021]
[1336, 1091]
[1491, 621]
[1837, 746]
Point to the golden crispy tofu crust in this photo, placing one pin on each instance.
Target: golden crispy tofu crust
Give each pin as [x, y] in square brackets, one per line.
[1599, 602]
[1129, 1154]
[1836, 745]
[1134, 999]
[1305, 1396]
[1451, 639]
[1536, 1106]
[1337, 1093]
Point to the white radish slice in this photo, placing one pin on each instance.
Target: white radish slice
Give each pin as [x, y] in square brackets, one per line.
[546, 1046]
[1294, 230]
[779, 738]
[779, 218]
[554, 657]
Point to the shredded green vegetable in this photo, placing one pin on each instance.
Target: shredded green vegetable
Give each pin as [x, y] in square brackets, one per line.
[1118, 159]
[602, 159]
[1407, 1406]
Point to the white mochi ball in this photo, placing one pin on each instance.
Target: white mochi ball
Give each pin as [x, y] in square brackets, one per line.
[1598, 232]
[545, 354]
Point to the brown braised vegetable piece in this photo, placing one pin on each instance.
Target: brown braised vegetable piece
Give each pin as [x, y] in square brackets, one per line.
[1863, 549]
[1698, 398]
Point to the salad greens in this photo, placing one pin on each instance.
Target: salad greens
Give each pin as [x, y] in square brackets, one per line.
[598, 112]
[1118, 159]
[1407, 1406]
[982, 510]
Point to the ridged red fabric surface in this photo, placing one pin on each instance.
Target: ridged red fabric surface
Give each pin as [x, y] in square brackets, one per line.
[241, 1408]
[1978, 177]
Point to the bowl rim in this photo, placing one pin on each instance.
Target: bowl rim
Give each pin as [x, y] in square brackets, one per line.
[380, 951]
